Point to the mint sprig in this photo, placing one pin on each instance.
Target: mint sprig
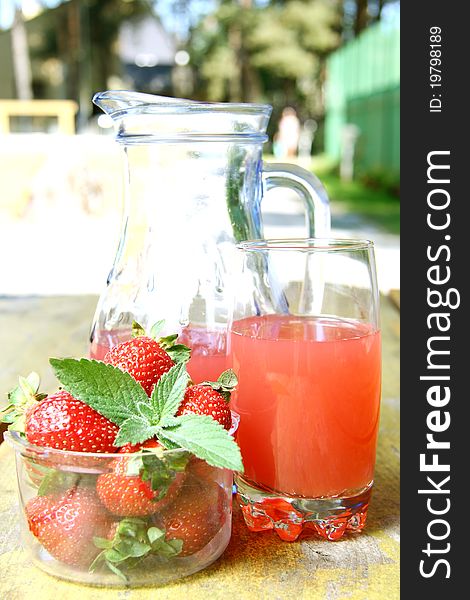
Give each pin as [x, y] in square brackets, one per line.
[169, 392]
[107, 389]
[206, 439]
[116, 396]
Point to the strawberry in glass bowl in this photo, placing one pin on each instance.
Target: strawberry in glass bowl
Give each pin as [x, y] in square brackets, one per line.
[124, 480]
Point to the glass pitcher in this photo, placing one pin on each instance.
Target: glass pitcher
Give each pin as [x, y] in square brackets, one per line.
[194, 184]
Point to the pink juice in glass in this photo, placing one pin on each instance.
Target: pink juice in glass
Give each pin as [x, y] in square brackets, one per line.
[308, 398]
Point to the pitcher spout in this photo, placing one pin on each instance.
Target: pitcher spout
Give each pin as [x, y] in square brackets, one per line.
[143, 118]
[113, 101]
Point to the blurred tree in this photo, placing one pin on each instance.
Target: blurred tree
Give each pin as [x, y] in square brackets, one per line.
[362, 16]
[359, 14]
[82, 33]
[249, 51]
[20, 54]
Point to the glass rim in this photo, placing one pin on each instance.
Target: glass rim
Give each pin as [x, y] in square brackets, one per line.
[21, 444]
[306, 244]
[177, 108]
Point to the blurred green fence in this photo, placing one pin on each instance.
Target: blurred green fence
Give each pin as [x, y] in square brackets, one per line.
[363, 88]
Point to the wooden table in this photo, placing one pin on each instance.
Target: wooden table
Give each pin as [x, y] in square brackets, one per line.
[254, 566]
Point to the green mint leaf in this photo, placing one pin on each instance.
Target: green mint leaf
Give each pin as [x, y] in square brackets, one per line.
[179, 353]
[168, 444]
[145, 410]
[156, 328]
[206, 439]
[168, 393]
[107, 389]
[135, 430]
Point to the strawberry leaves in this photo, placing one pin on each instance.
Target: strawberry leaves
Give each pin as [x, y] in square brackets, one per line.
[116, 396]
[161, 472]
[132, 542]
[179, 353]
[21, 398]
[225, 384]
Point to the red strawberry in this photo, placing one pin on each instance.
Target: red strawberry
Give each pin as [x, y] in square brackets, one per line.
[196, 515]
[202, 399]
[143, 358]
[130, 495]
[62, 422]
[66, 524]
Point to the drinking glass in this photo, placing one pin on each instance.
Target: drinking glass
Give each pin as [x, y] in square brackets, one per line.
[305, 345]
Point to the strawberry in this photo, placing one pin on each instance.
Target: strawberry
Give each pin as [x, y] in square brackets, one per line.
[211, 398]
[203, 400]
[143, 358]
[196, 515]
[140, 486]
[66, 524]
[62, 422]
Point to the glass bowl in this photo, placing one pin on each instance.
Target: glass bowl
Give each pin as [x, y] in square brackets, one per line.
[135, 519]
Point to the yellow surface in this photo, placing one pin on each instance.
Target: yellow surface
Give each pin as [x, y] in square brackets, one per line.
[255, 566]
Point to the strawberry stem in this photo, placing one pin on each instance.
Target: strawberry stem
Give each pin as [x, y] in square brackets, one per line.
[225, 384]
[131, 543]
[21, 398]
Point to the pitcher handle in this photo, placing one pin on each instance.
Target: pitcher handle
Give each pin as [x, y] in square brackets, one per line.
[310, 189]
